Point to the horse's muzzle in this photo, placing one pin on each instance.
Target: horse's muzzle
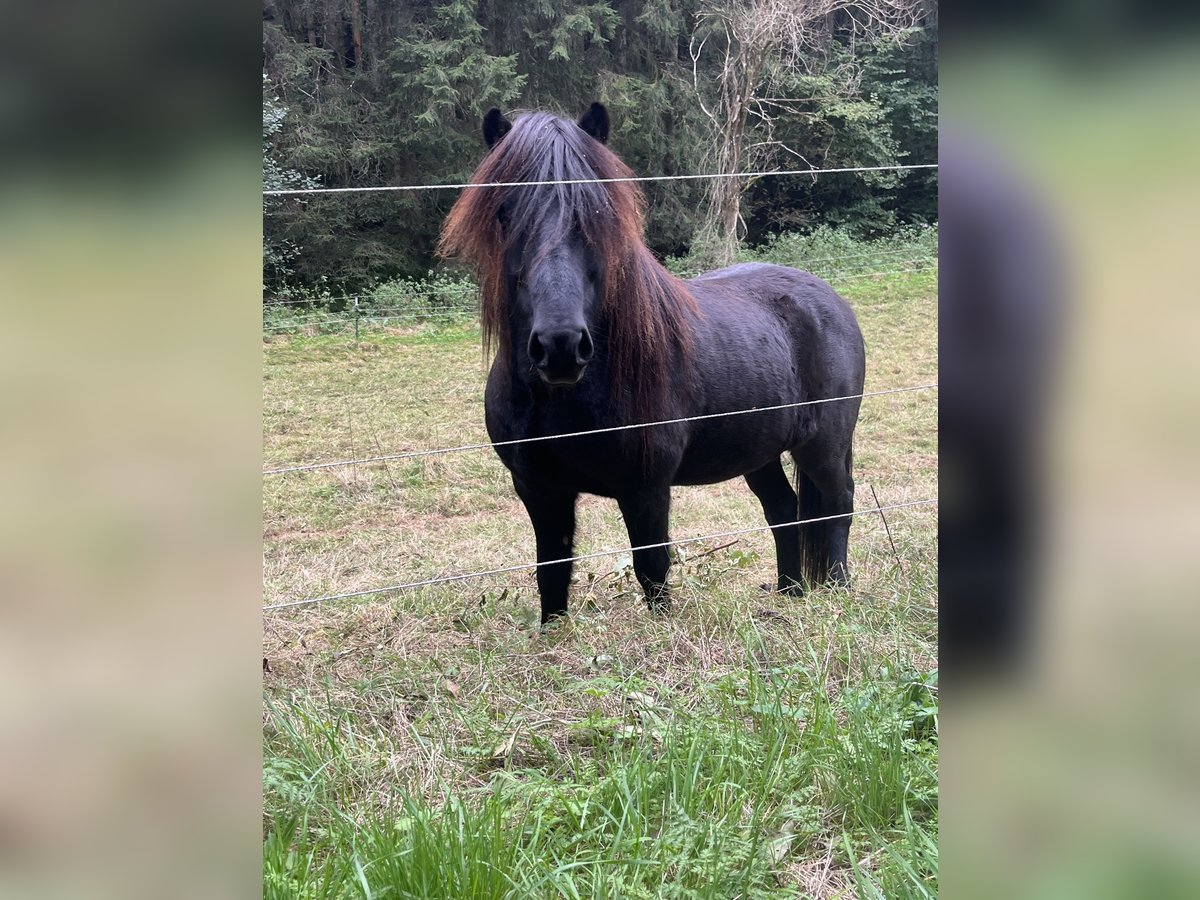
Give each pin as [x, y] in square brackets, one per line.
[562, 380]
[561, 356]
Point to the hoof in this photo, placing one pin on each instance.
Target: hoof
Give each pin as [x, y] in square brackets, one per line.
[791, 589]
[660, 607]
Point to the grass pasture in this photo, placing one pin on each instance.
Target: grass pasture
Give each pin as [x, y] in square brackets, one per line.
[435, 743]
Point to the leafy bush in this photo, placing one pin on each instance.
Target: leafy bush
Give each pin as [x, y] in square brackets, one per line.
[439, 297]
[832, 252]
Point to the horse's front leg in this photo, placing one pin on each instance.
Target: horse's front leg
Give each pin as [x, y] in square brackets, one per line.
[646, 513]
[552, 513]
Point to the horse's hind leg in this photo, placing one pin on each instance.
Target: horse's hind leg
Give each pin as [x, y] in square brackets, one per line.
[826, 489]
[771, 487]
[646, 514]
[553, 516]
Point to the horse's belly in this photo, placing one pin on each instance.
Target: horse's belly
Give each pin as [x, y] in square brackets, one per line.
[732, 447]
[589, 465]
[706, 468]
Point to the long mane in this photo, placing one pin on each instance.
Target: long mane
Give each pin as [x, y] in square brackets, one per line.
[647, 311]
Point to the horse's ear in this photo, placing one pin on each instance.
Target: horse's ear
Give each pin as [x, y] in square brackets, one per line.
[595, 122]
[495, 126]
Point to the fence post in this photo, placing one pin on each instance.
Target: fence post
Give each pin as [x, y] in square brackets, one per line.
[356, 320]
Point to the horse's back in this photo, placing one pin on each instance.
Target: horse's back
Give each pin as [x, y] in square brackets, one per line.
[750, 300]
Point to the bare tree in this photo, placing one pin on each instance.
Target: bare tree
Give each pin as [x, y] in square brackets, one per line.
[757, 42]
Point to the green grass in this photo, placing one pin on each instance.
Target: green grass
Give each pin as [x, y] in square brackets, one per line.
[737, 791]
[435, 743]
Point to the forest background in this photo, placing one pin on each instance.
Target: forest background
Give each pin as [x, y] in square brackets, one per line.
[360, 93]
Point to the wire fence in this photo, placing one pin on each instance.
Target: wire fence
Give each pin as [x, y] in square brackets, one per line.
[524, 567]
[459, 577]
[367, 310]
[492, 445]
[337, 315]
[407, 188]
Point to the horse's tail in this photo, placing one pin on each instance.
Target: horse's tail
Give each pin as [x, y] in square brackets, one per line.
[817, 562]
[814, 536]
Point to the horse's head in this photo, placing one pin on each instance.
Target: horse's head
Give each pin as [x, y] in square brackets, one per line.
[553, 227]
[555, 306]
[552, 271]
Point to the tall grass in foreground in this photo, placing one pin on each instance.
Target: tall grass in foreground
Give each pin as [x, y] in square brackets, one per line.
[773, 777]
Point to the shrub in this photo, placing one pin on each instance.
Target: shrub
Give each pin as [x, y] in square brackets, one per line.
[831, 252]
[438, 298]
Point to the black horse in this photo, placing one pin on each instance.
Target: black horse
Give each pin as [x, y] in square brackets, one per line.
[590, 332]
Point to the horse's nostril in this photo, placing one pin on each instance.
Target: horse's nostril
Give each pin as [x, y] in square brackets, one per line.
[586, 348]
[536, 351]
